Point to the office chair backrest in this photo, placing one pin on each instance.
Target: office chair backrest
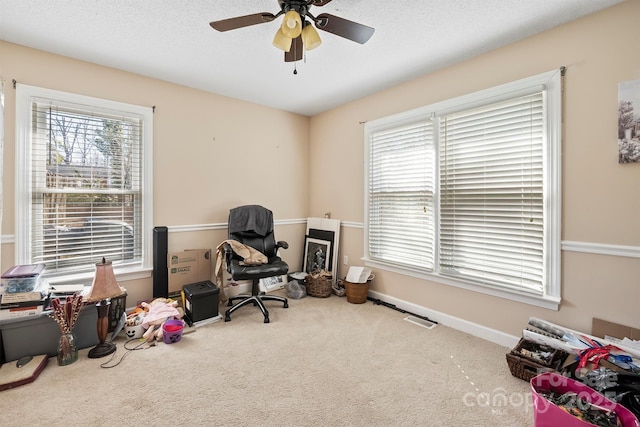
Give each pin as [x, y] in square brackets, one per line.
[252, 225]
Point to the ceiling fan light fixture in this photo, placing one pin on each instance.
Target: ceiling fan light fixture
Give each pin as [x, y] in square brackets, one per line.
[297, 30]
[291, 24]
[281, 41]
[310, 37]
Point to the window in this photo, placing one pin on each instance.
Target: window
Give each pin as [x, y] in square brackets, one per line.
[467, 191]
[83, 175]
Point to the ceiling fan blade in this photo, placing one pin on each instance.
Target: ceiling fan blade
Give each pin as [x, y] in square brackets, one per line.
[318, 2]
[242, 21]
[344, 28]
[296, 51]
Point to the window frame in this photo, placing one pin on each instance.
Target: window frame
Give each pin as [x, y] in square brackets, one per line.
[551, 84]
[25, 95]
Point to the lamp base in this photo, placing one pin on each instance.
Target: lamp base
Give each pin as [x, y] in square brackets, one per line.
[102, 350]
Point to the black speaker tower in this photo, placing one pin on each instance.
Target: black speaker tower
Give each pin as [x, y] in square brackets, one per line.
[160, 272]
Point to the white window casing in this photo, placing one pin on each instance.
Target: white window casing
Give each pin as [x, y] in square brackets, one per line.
[466, 191]
[83, 184]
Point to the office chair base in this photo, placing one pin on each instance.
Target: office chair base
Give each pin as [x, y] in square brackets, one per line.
[256, 300]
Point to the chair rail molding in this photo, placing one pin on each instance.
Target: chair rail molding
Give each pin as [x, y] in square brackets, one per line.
[601, 249]
[223, 225]
[567, 245]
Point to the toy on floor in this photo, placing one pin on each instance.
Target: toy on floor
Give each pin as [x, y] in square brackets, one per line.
[159, 311]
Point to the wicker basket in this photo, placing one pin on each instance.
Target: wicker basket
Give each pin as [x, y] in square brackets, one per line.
[318, 284]
[356, 292]
[525, 367]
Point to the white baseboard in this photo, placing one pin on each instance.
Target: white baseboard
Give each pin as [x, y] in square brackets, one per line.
[492, 335]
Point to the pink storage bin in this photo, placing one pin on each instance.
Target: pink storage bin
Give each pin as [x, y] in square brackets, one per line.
[547, 414]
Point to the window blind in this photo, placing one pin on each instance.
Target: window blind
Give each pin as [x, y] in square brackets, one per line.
[491, 194]
[401, 195]
[86, 186]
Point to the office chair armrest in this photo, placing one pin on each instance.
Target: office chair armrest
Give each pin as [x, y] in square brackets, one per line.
[228, 253]
[282, 244]
[227, 249]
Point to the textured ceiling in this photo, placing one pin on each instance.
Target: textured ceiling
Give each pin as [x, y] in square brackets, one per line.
[171, 40]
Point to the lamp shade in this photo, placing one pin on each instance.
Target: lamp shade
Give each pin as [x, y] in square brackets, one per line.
[104, 285]
[281, 41]
[310, 37]
[291, 24]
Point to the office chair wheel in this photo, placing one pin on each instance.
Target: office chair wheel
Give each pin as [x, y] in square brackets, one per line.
[227, 318]
[266, 320]
[286, 304]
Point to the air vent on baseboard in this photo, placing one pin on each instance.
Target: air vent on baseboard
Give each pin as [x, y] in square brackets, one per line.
[420, 322]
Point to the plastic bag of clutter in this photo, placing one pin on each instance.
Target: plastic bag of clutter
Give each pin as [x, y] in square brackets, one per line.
[295, 290]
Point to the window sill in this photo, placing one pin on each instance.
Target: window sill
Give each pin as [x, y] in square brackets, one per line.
[548, 302]
[122, 274]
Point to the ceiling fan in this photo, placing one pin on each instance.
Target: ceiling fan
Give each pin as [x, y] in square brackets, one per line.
[296, 32]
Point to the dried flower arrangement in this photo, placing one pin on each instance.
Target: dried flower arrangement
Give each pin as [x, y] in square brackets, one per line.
[65, 316]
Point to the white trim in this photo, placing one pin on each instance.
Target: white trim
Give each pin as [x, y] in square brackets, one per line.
[223, 225]
[22, 190]
[351, 224]
[550, 83]
[195, 227]
[121, 273]
[601, 249]
[552, 152]
[147, 184]
[24, 97]
[567, 245]
[492, 335]
[290, 221]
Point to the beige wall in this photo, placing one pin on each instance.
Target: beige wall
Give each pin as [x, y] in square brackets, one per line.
[210, 152]
[601, 199]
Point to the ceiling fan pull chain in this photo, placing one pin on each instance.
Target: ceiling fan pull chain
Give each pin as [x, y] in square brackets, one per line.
[295, 63]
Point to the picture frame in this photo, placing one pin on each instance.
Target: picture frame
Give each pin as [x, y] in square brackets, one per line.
[324, 235]
[629, 122]
[327, 229]
[317, 253]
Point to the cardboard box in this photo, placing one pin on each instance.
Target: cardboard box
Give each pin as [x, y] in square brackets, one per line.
[600, 328]
[188, 267]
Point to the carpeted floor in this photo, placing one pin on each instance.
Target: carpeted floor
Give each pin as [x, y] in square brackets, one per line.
[321, 362]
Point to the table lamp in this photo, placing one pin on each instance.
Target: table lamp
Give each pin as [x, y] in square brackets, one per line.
[104, 288]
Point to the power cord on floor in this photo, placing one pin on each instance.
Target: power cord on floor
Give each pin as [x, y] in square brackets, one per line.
[140, 346]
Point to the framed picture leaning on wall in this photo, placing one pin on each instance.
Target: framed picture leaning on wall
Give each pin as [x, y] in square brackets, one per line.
[317, 253]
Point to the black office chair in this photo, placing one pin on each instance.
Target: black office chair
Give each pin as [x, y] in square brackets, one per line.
[252, 225]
